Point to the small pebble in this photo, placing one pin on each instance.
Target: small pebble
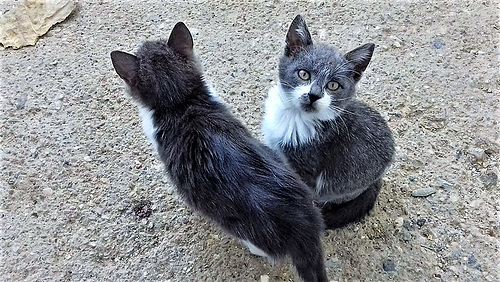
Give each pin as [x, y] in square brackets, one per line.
[423, 192]
[490, 151]
[99, 210]
[21, 102]
[490, 179]
[456, 254]
[15, 248]
[437, 44]
[154, 18]
[408, 226]
[194, 31]
[421, 222]
[389, 265]
[444, 184]
[47, 191]
[143, 209]
[87, 158]
[264, 278]
[398, 223]
[478, 154]
[476, 203]
[454, 198]
[472, 260]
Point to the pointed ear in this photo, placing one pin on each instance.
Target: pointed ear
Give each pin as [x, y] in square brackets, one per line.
[298, 36]
[359, 59]
[126, 65]
[180, 40]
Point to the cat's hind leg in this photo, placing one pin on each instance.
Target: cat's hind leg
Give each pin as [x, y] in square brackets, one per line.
[340, 215]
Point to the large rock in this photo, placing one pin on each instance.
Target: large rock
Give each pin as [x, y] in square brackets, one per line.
[23, 25]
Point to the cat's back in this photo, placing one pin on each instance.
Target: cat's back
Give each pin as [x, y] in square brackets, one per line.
[196, 130]
[209, 142]
[361, 113]
[217, 165]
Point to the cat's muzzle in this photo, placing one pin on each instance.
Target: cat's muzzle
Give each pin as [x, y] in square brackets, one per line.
[307, 102]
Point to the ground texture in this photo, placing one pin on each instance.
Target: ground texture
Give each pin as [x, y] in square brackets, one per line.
[84, 198]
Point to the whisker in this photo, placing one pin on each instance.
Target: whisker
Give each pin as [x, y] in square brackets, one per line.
[284, 98]
[337, 100]
[345, 125]
[345, 111]
[336, 125]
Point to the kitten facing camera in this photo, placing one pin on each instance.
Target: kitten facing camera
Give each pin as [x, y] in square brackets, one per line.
[338, 145]
[216, 165]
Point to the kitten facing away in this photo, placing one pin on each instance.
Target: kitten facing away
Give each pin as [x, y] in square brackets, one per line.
[217, 167]
[338, 145]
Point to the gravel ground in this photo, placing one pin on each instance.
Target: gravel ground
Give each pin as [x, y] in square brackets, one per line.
[84, 198]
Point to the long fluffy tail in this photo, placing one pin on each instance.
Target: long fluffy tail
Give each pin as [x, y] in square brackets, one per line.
[339, 215]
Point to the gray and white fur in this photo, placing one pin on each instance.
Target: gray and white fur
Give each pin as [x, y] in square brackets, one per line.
[218, 168]
[338, 145]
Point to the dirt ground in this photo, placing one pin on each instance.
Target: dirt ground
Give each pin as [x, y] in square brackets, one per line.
[83, 197]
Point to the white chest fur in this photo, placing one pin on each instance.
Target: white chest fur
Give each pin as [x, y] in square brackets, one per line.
[286, 124]
[148, 127]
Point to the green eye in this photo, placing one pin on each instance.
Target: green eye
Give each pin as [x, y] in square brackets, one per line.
[304, 75]
[333, 86]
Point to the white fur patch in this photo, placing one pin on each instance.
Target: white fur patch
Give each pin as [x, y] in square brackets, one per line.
[338, 197]
[254, 249]
[298, 92]
[320, 183]
[301, 32]
[211, 89]
[285, 123]
[148, 127]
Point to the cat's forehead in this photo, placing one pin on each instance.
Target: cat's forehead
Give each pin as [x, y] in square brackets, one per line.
[321, 56]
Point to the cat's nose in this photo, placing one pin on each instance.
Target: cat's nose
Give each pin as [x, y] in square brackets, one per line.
[313, 97]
